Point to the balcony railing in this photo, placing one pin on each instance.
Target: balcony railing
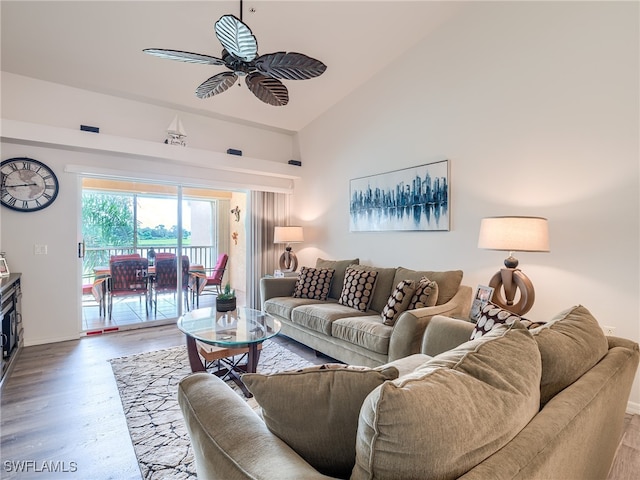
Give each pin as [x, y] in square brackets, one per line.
[198, 255]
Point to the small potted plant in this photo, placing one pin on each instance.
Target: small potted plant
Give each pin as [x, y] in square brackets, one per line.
[226, 301]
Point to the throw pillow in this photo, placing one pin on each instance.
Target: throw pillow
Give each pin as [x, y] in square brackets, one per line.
[338, 277]
[570, 344]
[313, 283]
[490, 317]
[426, 294]
[448, 281]
[397, 302]
[358, 288]
[451, 413]
[315, 410]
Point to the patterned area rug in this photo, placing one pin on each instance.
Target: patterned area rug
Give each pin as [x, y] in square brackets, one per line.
[148, 386]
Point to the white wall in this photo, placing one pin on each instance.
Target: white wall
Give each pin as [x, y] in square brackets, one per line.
[51, 303]
[30, 100]
[536, 106]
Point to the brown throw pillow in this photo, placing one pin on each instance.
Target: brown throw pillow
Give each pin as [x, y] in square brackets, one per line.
[358, 288]
[490, 317]
[426, 294]
[340, 266]
[313, 283]
[315, 410]
[397, 302]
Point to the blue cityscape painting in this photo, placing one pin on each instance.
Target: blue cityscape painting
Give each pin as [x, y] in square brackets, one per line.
[415, 198]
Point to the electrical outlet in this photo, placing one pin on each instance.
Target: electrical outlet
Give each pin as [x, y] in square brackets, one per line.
[609, 331]
[39, 249]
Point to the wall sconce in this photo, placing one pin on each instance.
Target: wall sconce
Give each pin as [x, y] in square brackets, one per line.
[288, 235]
[513, 234]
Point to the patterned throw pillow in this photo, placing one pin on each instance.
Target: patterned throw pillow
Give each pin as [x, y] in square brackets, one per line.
[357, 289]
[490, 317]
[398, 302]
[426, 294]
[314, 283]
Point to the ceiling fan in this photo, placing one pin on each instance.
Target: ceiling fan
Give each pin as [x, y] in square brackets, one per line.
[240, 55]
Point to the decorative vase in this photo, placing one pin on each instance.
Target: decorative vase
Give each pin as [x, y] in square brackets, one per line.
[225, 305]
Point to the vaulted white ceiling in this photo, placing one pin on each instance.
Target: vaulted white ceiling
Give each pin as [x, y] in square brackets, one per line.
[97, 46]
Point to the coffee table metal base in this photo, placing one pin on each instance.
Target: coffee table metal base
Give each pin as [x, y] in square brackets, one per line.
[233, 371]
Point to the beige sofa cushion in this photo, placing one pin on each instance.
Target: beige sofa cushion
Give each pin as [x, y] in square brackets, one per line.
[340, 266]
[319, 317]
[366, 331]
[448, 281]
[468, 402]
[384, 285]
[570, 344]
[315, 410]
[283, 306]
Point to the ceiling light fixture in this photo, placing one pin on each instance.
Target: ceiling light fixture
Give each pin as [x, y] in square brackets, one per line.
[240, 55]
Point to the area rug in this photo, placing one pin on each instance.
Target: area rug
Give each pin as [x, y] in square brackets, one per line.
[148, 386]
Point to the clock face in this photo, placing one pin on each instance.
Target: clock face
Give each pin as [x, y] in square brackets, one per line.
[27, 185]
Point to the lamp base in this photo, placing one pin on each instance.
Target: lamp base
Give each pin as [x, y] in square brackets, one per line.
[510, 280]
[288, 261]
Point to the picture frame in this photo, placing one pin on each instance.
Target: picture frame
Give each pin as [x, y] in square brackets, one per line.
[410, 199]
[4, 268]
[480, 299]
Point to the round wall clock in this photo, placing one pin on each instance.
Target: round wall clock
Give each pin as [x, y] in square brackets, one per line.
[27, 185]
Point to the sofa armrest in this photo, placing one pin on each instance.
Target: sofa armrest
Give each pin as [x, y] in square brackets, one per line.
[276, 287]
[230, 440]
[444, 333]
[406, 338]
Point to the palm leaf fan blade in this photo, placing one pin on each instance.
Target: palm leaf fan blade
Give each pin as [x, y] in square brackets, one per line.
[267, 89]
[290, 66]
[215, 85]
[236, 38]
[181, 56]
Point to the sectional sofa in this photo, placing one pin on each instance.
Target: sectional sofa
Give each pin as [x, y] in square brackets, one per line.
[545, 403]
[324, 312]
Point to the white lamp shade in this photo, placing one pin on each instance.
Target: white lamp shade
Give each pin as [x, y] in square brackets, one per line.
[514, 234]
[288, 235]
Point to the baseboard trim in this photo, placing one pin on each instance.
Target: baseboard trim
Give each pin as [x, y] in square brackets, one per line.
[633, 408]
[43, 341]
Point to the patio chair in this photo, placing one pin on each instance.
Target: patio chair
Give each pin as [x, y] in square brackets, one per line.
[128, 278]
[126, 256]
[166, 278]
[212, 285]
[93, 293]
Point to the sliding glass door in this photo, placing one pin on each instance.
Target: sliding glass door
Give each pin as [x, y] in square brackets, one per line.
[171, 230]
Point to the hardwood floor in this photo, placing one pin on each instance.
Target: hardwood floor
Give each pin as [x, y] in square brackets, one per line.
[61, 406]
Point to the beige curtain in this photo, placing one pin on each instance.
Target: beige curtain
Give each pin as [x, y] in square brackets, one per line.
[268, 210]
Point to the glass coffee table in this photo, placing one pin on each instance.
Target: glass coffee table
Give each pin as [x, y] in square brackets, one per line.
[241, 330]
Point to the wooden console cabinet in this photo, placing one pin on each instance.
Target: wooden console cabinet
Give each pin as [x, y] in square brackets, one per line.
[11, 318]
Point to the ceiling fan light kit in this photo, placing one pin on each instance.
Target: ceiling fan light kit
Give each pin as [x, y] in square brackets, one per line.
[240, 55]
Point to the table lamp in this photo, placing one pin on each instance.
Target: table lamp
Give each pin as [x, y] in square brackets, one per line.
[288, 235]
[513, 234]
